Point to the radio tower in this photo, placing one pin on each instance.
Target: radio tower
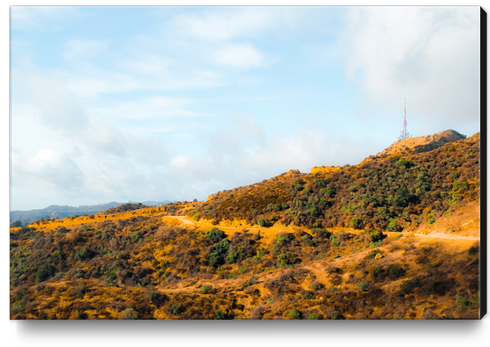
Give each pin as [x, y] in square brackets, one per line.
[404, 134]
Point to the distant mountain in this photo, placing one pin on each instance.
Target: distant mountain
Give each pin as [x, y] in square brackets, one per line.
[56, 211]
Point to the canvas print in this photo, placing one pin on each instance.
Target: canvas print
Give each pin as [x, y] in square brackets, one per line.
[246, 163]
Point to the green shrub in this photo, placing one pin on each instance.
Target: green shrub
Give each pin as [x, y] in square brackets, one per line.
[409, 286]
[215, 235]
[431, 221]
[283, 239]
[135, 236]
[20, 305]
[175, 309]
[218, 253]
[219, 314]
[232, 257]
[376, 272]
[80, 315]
[61, 230]
[313, 316]
[129, 313]
[356, 223]
[45, 272]
[463, 304]
[396, 272]
[402, 162]
[264, 223]
[363, 286]
[19, 294]
[294, 314]
[393, 225]
[206, 289]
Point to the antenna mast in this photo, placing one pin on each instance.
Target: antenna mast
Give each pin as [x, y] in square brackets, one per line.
[404, 134]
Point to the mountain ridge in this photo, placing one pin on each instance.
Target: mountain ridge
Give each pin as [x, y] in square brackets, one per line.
[63, 211]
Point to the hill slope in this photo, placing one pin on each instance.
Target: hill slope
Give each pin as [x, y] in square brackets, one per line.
[391, 191]
[312, 257]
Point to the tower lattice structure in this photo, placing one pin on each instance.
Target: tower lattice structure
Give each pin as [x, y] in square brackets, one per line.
[404, 134]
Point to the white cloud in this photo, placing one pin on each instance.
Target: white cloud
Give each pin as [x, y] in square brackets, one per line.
[428, 54]
[239, 55]
[83, 50]
[234, 22]
[50, 168]
[153, 107]
[59, 107]
[42, 17]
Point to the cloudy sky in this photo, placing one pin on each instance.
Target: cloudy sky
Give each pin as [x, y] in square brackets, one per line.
[154, 103]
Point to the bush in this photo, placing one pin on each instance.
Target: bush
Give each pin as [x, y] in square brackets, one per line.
[431, 221]
[215, 235]
[396, 272]
[135, 236]
[61, 230]
[409, 286]
[175, 309]
[473, 250]
[393, 225]
[206, 289]
[363, 286]
[19, 305]
[294, 314]
[405, 163]
[372, 254]
[218, 253]
[129, 313]
[19, 294]
[45, 272]
[356, 223]
[219, 314]
[264, 223]
[313, 316]
[376, 272]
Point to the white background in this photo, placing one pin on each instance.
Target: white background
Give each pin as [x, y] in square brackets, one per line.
[212, 333]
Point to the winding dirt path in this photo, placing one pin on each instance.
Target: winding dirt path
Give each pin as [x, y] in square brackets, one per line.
[390, 234]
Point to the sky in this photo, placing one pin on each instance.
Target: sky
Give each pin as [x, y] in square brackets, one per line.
[156, 103]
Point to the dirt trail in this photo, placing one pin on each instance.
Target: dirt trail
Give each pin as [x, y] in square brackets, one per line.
[423, 236]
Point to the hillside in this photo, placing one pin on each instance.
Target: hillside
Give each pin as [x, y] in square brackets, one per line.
[396, 237]
[388, 192]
